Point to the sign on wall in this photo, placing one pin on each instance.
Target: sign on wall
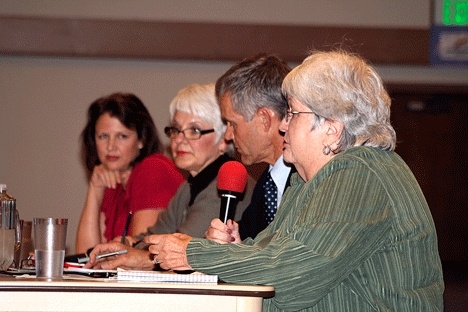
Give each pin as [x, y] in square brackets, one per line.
[449, 33]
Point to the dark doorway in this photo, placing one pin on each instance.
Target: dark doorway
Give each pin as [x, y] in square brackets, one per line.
[432, 137]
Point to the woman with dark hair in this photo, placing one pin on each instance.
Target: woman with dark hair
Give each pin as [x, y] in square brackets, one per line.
[128, 174]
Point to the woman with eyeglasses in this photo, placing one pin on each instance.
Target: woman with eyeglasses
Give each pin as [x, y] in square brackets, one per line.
[198, 147]
[130, 180]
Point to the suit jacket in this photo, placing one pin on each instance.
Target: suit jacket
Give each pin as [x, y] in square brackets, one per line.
[253, 219]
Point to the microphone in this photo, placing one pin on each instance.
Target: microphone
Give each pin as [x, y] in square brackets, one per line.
[232, 179]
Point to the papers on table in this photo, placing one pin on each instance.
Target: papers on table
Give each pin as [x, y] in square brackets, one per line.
[165, 276]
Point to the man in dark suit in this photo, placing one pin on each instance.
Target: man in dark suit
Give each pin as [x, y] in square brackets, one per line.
[253, 106]
[254, 218]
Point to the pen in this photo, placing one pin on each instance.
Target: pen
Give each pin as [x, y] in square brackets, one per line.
[101, 256]
[110, 254]
[127, 225]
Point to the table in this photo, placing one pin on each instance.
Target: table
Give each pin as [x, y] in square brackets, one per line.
[29, 294]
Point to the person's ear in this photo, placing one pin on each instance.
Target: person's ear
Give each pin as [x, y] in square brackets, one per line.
[334, 131]
[265, 116]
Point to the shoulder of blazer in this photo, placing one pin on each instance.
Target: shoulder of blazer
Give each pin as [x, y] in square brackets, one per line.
[261, 180]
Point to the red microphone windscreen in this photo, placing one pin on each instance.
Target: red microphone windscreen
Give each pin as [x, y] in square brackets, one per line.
[232, 176]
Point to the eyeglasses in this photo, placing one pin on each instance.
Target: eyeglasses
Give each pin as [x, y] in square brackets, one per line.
[189, 133]
[290, 113]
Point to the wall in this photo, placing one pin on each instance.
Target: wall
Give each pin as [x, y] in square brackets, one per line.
[43, 100]
[374, 13]
[43, 107]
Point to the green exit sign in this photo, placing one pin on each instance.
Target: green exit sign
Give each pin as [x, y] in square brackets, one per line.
[455, 13]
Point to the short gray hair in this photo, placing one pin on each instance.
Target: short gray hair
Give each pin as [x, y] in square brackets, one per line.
[342, 87]
[254, 83]
[200, 100]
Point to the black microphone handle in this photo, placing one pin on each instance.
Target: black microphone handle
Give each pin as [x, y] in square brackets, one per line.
[228, 206]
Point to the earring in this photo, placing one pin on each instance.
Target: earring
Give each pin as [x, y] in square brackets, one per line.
[326, 150]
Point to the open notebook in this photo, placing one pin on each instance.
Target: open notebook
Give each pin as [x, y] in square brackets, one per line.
[165, 276]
